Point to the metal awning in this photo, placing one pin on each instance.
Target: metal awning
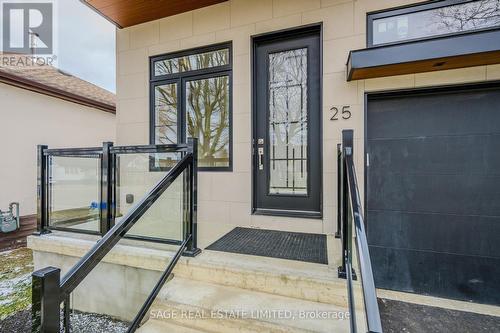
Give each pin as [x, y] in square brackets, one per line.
[126, 13]
[466, 50]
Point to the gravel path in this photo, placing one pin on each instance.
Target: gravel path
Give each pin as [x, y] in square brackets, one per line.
[20, 322]
[401, 317]
[94, 323]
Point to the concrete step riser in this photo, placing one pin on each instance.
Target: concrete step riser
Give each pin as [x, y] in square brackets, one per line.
[222, 309]
[202, 319]
[325, 291]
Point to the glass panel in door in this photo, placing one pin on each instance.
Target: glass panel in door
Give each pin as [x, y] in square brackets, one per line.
[288, 122]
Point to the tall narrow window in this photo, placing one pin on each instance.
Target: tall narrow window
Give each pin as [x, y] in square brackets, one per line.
[191, 97]
[165, 109]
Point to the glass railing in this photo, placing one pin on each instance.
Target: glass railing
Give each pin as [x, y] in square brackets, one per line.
[163, 220]
[74, 192]
[146, 193]
[136, 173]
[89, 190]
[356, 264]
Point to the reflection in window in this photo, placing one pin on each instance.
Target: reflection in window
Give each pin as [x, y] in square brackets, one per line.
[194, 103]
[288, 122]
[192, 62]
[166, 114]
[207, 107]
[439, 21]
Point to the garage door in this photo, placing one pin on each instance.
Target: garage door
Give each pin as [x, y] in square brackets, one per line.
[433, 196]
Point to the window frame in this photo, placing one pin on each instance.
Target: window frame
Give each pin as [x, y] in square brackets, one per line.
[410, 9]
[180, 79]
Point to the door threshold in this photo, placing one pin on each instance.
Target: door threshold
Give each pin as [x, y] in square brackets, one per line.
[288, 213]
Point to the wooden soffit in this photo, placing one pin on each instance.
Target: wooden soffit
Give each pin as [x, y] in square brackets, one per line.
[126, 13]
[467, 50]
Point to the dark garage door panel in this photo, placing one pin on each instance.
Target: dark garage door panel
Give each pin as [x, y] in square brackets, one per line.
[443, 154]
[433, 207]
[448, 194]
[436, 114]
[411, 231]
[437, 274]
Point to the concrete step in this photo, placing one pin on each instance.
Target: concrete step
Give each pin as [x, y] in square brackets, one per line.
[294, 279]
[223, 309]
[159, 326]
[301, 280]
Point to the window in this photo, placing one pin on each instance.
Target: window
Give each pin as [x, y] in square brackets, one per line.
[191, 97]
[430, 20]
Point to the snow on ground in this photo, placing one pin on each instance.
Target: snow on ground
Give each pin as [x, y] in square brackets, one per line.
[16, 267]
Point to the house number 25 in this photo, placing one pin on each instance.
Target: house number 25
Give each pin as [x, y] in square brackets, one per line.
[345, 112]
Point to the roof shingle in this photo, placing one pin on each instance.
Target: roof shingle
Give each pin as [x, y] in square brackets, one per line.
[20, 66]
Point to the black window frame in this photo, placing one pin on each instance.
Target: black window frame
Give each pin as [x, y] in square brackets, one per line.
[180, 79]
[414, 8]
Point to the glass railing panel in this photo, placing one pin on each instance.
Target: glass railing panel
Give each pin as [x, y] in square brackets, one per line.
[115, 290]
[74, 192]
[136, 174]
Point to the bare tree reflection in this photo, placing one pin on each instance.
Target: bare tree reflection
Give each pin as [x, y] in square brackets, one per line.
[475, 15]
[192, 62]
[207, 106]
[166, 113]
[208, 118]
[288, 121]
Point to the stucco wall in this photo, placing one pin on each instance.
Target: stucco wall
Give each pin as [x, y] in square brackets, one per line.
[28, 119]
[225, 197]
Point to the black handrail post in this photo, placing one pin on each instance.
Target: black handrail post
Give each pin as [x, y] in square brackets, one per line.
[342, 270]
[105, 208]
[42, 192]
[45, 309]
[192, 246]
[347, 153]
[339, 191]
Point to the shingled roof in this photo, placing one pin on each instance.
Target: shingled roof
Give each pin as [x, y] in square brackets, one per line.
[20, 71]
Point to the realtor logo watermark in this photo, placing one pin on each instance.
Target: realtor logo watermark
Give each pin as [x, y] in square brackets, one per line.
[28, 27]
[27, 32]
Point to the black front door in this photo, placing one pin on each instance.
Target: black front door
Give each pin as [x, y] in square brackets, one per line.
[287, 135]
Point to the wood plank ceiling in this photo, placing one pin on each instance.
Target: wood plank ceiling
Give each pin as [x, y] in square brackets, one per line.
[126, 13]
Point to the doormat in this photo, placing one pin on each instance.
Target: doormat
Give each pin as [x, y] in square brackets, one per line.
[274, 244]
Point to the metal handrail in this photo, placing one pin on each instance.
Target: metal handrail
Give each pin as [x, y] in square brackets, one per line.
[165, 148]
[73, 151]
[49, 291]
[88, 262]
[363, 253]
[353, 218]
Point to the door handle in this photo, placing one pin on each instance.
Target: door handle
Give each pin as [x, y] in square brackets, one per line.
[261, 158]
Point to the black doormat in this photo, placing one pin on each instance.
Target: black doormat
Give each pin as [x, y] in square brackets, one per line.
[274, 244]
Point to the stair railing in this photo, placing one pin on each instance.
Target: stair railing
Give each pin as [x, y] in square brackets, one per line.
[353, 226]
[50, 291]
